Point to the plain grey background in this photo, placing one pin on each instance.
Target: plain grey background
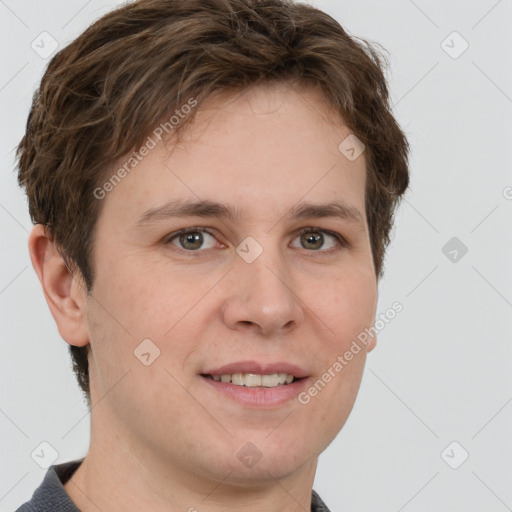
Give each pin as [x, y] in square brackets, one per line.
[438, 387]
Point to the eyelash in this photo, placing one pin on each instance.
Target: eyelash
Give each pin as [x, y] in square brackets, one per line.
[342, 242]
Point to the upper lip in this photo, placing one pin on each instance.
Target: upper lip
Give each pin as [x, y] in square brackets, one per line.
[258, 368]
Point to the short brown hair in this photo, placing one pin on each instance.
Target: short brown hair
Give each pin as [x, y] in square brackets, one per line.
[103, 94]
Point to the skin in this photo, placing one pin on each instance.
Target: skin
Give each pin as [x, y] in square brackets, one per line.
[161, 438]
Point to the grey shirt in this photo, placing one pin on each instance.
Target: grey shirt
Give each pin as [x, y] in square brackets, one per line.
[51, 496]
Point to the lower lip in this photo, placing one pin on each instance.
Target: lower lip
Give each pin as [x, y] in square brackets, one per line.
[258, 397]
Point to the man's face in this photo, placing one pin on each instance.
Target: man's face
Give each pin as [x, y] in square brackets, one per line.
[248, 294]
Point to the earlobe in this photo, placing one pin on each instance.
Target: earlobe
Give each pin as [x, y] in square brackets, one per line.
[372, 342]
[64, 293]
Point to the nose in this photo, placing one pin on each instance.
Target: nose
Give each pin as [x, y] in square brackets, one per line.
[263, 297]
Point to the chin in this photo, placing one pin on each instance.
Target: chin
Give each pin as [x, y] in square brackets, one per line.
[268, 469]
[269, 457]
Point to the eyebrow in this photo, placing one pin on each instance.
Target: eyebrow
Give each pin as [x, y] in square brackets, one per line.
[212, 209]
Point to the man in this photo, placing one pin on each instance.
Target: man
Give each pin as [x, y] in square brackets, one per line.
[212, 185]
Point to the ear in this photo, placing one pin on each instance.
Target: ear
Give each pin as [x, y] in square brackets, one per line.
[371, 344]
[64, 293]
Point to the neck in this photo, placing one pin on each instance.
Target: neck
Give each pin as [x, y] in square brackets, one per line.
[120, 475]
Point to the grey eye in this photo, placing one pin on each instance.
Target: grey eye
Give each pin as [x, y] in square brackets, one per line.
[192, 240]
[315, 240]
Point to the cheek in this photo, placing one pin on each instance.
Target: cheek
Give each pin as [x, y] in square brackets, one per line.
[350, 302]
[349, 308]
[150, 304]
[142, 298]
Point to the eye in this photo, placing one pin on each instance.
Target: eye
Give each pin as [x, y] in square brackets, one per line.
[192, 239]
[313, 238]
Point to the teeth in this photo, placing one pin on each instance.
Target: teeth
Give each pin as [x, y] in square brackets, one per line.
[269, 381]
[238, 379]
[252, 380]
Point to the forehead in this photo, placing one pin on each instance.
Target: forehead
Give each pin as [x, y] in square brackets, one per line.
[269, 145]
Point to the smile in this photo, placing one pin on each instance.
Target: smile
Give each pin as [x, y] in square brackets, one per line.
[253, 380]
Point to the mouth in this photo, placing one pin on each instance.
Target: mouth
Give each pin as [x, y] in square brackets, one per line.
[254, 380]
[255, 384]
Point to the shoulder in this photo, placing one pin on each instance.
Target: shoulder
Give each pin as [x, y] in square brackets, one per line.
[51, 496]
[317, 505]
